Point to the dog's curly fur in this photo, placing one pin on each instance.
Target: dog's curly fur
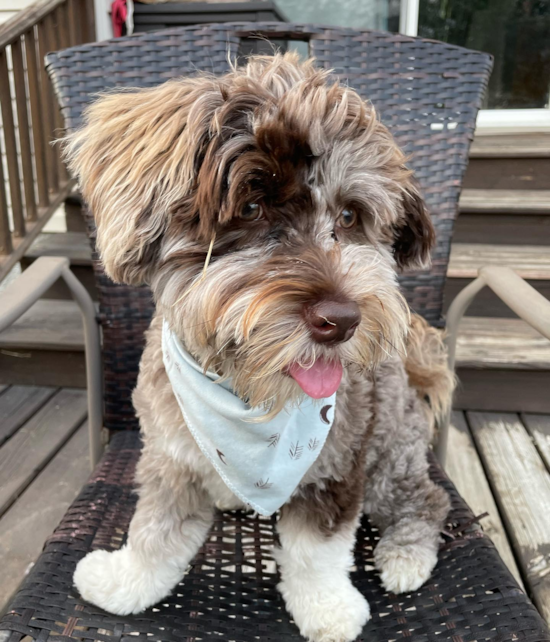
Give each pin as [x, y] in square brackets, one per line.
[169, 171]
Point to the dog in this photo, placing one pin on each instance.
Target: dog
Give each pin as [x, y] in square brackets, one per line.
[270, 212]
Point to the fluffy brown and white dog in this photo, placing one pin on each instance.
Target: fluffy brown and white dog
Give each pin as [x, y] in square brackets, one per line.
[309, 209]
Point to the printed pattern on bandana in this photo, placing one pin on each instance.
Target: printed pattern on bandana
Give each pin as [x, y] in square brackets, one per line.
[262, 463]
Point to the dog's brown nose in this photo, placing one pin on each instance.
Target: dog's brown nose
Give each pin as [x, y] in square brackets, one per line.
[332, 321]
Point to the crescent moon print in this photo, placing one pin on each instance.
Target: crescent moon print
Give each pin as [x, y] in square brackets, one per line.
[324, 413]
[264, 485]
[221, 456]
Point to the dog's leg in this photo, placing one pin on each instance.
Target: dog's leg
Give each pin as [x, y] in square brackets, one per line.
[410, 511]
[171, 521]
[315, 560]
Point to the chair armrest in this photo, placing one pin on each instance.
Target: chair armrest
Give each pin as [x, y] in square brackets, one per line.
[20, 295]
[518, 295]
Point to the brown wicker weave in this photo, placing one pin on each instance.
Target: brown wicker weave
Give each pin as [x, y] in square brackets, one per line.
[229, 594]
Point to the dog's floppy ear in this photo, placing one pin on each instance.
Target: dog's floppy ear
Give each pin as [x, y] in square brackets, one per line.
[135, 157]
[414, 234]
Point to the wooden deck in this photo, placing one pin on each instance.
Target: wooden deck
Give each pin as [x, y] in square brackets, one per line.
[43, 466]
[499, 462]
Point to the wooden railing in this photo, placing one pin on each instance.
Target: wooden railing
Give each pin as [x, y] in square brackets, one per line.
[33, 179]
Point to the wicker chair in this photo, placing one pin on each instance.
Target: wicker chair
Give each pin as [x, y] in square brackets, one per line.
[428, 93]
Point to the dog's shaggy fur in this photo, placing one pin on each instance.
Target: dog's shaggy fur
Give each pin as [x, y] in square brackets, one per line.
[167, 171]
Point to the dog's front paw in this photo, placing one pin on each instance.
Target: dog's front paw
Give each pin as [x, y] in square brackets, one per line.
[328, 614]
[404, 568]
[118, 583]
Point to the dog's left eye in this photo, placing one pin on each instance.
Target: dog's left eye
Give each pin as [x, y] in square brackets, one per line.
[252, 212]
[347, 218]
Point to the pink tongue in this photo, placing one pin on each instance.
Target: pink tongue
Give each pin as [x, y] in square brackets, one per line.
[319, 381]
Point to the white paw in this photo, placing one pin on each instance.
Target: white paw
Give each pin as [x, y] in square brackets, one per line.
[329, 614]
[404, 568]
[118, 583]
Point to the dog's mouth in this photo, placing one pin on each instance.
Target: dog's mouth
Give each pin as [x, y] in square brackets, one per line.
[319, 380]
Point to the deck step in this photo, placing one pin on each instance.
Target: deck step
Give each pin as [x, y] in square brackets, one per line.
[509, 162]
[509, 171]
[503, 201]
[47, 325]
[511, 146]
[502, 229]
[505, 216]
[502, 365]
[72, 245]
[531, 262]
[501, 344]
[45, 347]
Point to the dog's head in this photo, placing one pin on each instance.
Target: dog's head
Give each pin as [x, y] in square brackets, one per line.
[300, 192]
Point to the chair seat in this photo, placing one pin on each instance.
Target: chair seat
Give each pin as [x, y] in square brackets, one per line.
[229, 592]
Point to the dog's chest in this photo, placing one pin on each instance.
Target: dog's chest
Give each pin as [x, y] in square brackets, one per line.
[182, 448]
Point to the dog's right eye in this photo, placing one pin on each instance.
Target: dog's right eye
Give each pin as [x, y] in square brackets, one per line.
[252, 212]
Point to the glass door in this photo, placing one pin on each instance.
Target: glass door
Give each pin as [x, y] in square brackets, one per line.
[517, 34]
[382, 15]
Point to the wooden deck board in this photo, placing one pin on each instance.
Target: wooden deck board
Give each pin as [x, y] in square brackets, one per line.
[538, 427]
[74, 245]
[503, 390]
[32, 519]
[508, 344]
[60, 324]
[521, 485]
[533, 201]
[18, 404]
[34, 445]
[511, 146]
[529, 261]
[466, 471]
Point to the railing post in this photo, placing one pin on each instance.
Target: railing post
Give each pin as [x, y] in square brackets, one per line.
[5, 232]
[88, 33]
[36, 119]
[57, 40]
[45, 92]
[24, 129]
[74, 22]
[11, 148]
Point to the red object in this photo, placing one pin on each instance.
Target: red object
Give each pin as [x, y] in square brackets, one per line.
[119, 11]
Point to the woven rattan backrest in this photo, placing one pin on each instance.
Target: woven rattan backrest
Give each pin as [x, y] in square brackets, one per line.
[427, 92]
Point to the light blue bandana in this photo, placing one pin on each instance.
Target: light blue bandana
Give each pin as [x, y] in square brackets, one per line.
[261, 463]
